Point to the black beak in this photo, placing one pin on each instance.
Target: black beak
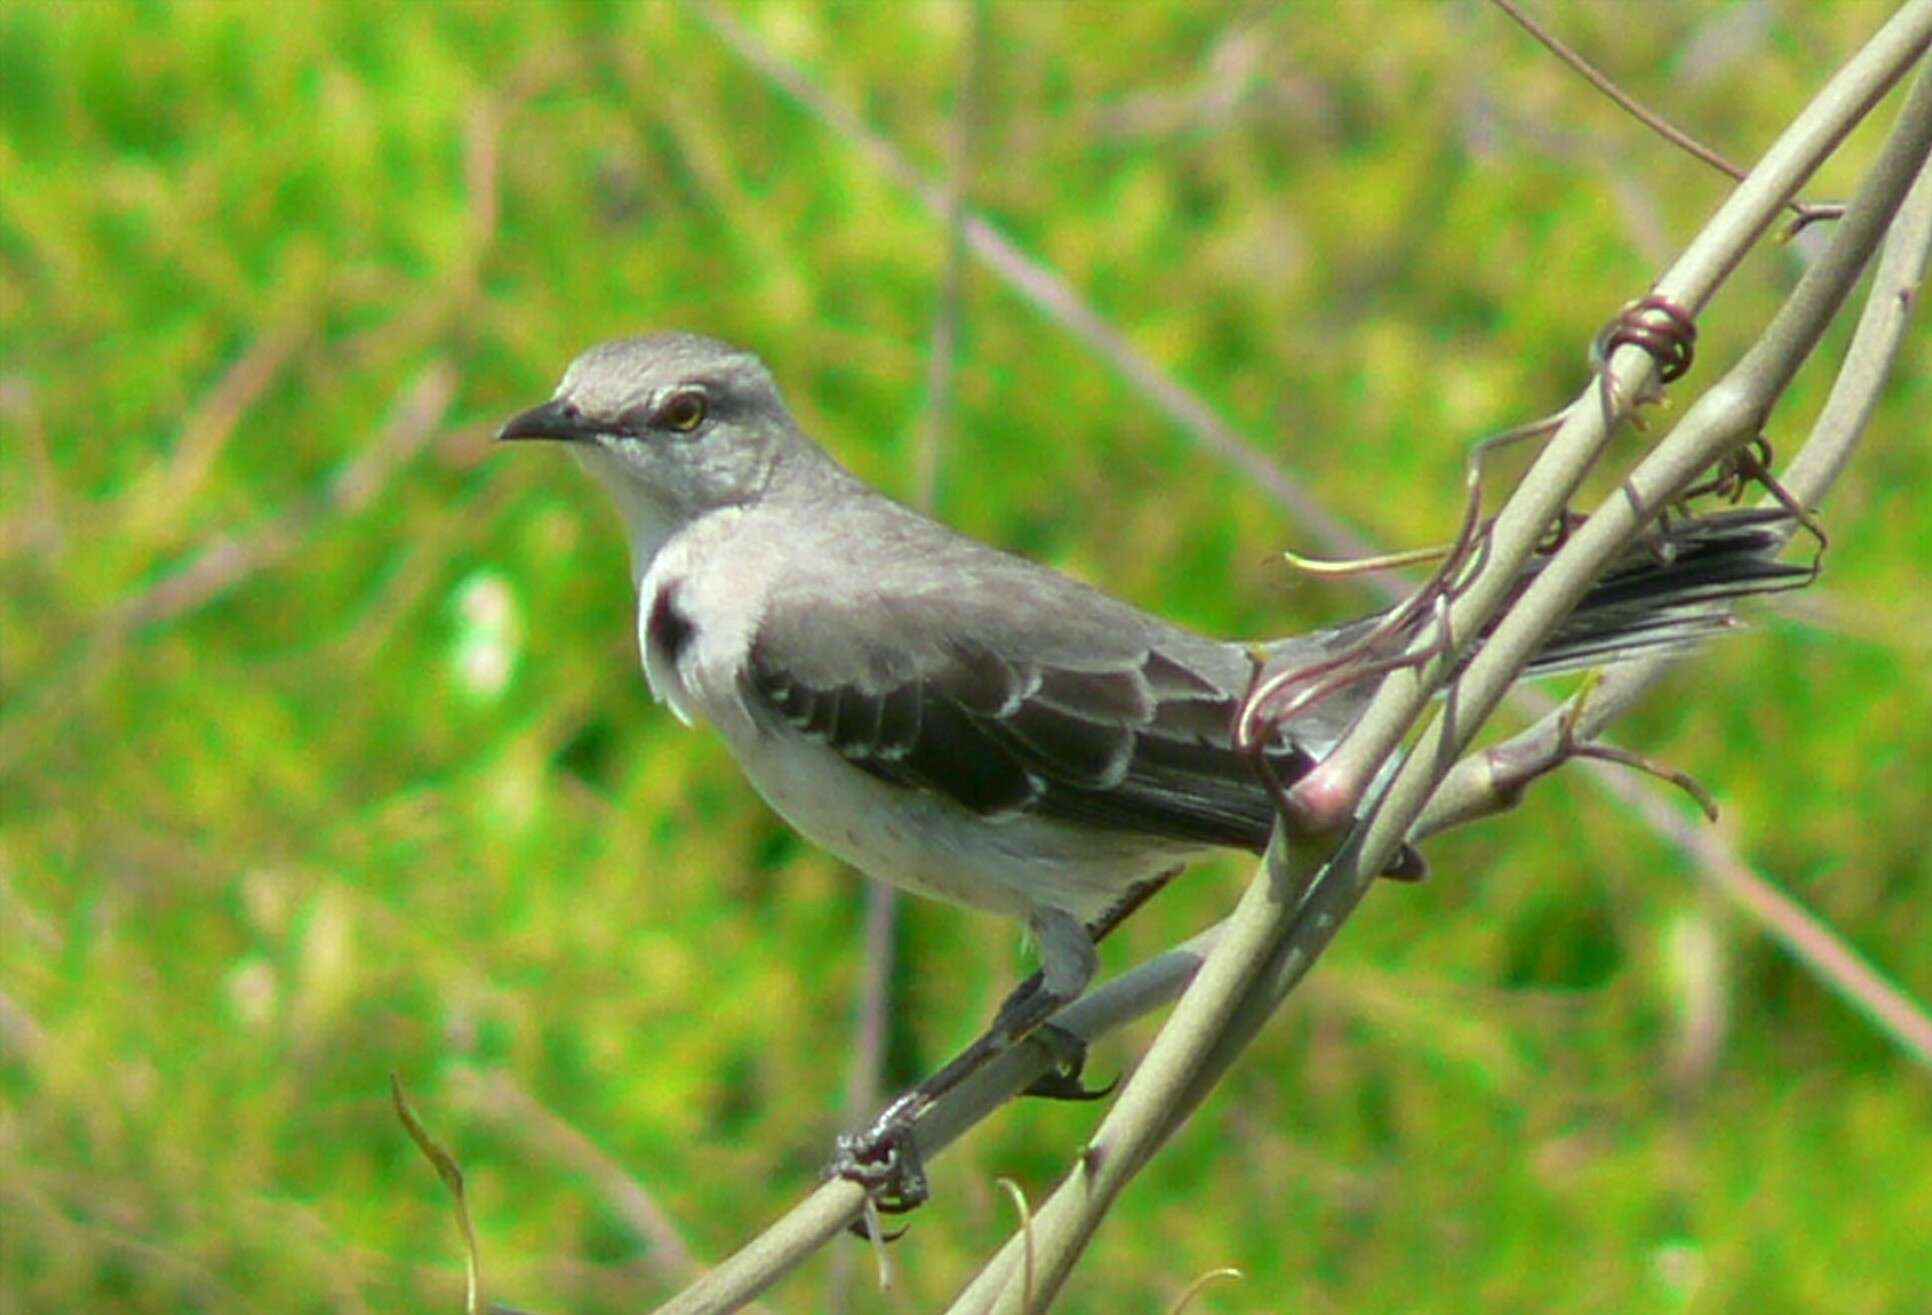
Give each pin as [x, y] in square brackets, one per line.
[560, 421]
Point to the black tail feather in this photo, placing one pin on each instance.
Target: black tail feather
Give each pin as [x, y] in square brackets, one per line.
[1673, 589]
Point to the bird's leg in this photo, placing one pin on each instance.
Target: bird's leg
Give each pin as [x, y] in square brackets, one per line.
[1062, 1081]
[884, 1158]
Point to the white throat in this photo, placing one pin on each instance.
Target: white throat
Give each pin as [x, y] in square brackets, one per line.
[648, 520]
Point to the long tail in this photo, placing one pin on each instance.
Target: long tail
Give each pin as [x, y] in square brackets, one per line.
[1672, 589]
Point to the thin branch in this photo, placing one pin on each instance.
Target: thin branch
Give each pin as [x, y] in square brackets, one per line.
[1709, 260]
[1469, 791]
[1652, 120]
[1726, 416]
[1074, 1209]
[869, 1036]
[1068, 1219]
[225, 560]
[1053, 296]
[943, 360]
[1047, 292]
[825, 1214]
[452, 1175]
[41, 517]
[1143, 1115]
[209, 424]
[21, 1036]
[1873, 352]
[1057, 300]
[874, 1004]
[1573, 450]
[494, 1095]
[1852, 977]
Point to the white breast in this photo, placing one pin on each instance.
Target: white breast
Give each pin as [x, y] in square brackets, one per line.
[695, 617]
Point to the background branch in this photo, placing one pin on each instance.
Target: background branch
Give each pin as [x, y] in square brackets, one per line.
[382, 790]
[1065, 1224]
[1053, 296]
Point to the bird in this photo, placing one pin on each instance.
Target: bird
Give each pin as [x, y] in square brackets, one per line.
[962, 722]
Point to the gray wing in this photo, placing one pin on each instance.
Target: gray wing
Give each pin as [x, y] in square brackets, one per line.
[1025, 693]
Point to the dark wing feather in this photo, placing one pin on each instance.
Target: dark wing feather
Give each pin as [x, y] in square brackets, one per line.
[1137, 745]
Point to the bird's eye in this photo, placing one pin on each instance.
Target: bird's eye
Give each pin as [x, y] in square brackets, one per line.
[683, 411]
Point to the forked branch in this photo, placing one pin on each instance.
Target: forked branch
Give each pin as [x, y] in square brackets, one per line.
[1296, 905]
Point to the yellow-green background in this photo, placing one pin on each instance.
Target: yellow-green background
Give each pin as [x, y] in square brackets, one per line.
[261, 851]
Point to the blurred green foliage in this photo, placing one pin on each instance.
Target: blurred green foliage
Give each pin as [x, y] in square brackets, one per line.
[307, 776]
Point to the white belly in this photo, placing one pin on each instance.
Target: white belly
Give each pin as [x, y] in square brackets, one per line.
[932, 847]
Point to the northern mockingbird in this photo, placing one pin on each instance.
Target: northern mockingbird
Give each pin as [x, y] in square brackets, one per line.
[958, 721]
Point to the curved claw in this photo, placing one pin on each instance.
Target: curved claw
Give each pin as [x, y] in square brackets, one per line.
[1407, 865]
[1058, 1085]
[1062, 1081]
[858, 1229]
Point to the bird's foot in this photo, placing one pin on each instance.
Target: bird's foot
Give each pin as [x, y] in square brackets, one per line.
[884, 1159]
[1062, 1081]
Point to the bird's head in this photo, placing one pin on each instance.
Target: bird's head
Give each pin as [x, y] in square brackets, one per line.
[673, 425]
